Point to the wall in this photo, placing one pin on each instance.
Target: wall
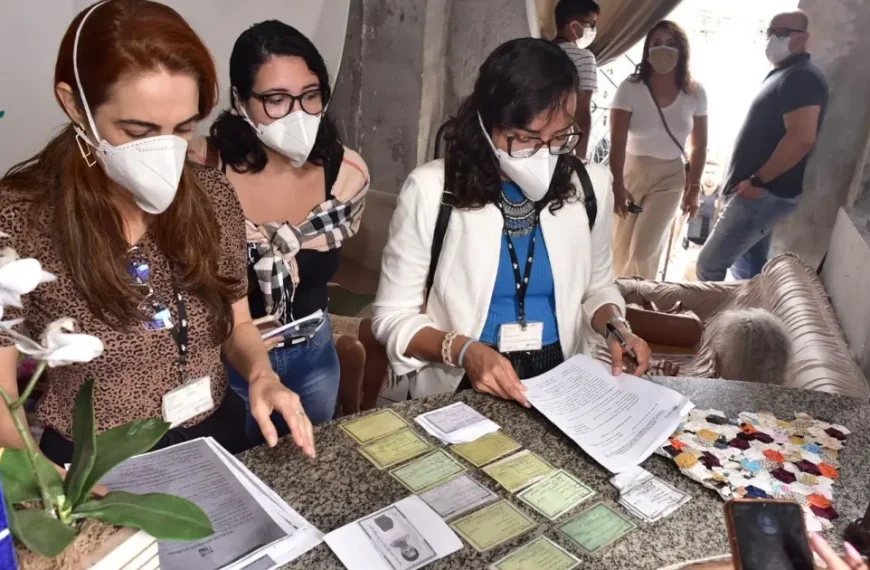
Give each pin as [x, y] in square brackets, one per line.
[839, 44]
[31, 33]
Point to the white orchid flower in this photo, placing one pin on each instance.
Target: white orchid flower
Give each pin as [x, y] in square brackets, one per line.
[19, 277]
[60, 345]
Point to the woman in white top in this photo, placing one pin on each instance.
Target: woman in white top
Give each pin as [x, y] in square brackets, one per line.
[647, 157]
[525, 264]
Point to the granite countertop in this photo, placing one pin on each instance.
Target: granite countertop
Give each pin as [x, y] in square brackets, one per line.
[341, 486]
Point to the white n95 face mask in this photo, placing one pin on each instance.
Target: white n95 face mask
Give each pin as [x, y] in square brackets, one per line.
[293, 135]
[777, 49]
[149, 168]
[585, 40]
[532, 174]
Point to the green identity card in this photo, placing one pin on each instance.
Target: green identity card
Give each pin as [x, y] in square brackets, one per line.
[485, 449]
[556, 495]
[596, 528]
[492, 525]
[395, 448]
[428, 471]
[519, 470]
[373, 426]
[540, 554]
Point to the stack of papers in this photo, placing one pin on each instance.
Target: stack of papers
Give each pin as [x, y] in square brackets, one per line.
[253, 525]
[456, 423]
[404, 536]
[646, 496]
[618, 420]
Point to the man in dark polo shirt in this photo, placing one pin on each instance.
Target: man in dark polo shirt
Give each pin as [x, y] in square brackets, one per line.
[765, 178]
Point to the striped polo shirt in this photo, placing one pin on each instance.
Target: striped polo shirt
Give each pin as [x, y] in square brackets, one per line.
[584, 61]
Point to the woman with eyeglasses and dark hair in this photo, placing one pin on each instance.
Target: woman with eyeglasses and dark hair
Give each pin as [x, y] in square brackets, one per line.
[302, 194]
[498, 259]
[653, 114]
[148, 250]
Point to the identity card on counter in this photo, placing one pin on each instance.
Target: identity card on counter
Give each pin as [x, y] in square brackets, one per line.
[457, 496]
[428, 471]
[493, 525]
[395, 448]
[596, 527]
[556, 495]
[646, 496]
[519, 470]
[456, 423]
[373, 426]
[540, 554]
[404, 536]
[486, 449]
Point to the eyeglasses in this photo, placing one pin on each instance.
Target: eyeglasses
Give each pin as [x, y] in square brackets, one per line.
[524, 147]
[156, 314]
[279, 105]
[782, 33]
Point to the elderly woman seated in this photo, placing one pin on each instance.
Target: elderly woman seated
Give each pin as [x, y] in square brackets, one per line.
[751, 345]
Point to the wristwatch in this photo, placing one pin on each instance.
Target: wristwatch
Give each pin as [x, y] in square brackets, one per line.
[618, 319]
[756, 181]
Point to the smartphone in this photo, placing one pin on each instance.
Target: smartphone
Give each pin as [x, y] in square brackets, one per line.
[634, 208]
[767, 535]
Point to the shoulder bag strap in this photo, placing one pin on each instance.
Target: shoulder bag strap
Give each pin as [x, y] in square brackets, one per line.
[444, 211]
[665, 123]
[589, 199]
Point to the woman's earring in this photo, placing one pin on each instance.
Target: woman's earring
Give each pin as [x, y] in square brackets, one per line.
[84, 148]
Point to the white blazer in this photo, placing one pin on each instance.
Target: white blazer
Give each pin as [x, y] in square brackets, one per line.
[581, 261]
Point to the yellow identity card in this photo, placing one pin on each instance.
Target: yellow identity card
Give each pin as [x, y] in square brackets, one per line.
[519, 470]
[485, 449]
[371, 427]
[596, 527]
[395, 448]
[556, 495]
[540, 554]
[427, 471]
[493, 525]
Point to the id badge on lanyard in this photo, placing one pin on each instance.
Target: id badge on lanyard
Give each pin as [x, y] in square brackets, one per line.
[193, 397]
[522, 336]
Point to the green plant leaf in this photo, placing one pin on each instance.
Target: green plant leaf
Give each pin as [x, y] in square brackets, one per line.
[165, 517]
[19, 480]
[84, 444]
[118, 444]
[42, 533]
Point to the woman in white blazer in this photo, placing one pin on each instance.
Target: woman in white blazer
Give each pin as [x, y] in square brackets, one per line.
[521, 280]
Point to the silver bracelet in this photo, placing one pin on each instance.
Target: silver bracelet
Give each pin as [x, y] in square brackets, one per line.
[462, 351]
[613, 321]
[447, 347]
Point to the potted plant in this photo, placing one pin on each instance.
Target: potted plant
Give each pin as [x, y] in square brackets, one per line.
[47, 510]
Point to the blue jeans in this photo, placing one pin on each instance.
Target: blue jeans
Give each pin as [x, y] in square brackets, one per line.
[308, 368]
[741, 239]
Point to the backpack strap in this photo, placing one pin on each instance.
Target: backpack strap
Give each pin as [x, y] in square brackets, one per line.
[589, 199]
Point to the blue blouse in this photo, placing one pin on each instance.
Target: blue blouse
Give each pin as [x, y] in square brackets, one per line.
[540, 297]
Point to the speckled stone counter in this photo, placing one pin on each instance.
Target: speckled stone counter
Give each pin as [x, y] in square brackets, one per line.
[341, 486]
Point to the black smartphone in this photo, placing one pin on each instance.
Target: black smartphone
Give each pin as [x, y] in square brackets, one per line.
[634, 208]
[768, 535]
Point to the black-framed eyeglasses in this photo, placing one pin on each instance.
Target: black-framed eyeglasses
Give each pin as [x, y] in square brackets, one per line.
[524, 147]
[782, 33]
[156, 315]
[279, 105]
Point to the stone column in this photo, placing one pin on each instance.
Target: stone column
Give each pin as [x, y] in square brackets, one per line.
[838, 167]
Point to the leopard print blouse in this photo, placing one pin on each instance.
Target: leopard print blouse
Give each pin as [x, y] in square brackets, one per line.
[138, 366]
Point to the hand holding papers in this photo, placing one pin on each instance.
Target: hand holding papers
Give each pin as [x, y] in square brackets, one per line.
[619, 421]
[405, 536]
[456, 423]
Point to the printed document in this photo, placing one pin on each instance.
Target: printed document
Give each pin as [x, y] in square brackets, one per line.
[404, 536]
[252, 524]
[618, 420]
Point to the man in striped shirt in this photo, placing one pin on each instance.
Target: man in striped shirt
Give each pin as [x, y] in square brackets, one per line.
[576, 22]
